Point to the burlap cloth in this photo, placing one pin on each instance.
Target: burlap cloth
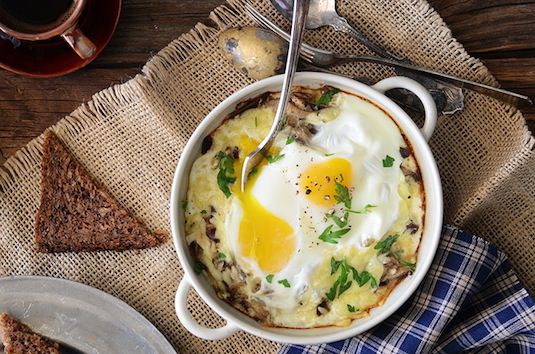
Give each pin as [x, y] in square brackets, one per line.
[130, 137]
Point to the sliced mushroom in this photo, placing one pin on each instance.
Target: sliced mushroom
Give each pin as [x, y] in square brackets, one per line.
[412, 227]
[302, 101]
[233, 152]
[221, 264]
[258, 311]
[323, 308]
[293, 113]
[195, 250]
[394, 273]
[206, 144]
[210, 229]
[415, 175]
[250, 103]
[391, 262]
[256, 284]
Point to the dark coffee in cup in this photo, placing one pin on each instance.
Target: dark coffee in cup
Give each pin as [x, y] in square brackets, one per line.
[35, 16]
[38, 20]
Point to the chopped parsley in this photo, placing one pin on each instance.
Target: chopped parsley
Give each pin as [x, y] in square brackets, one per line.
[331, 295]
[342, 194]
[364, 210]
[384, 246]
[364, 277]
[335, 265]
[221, 255]
[224, 176]
[269, 278]
[203, 212]
[256, 121]
[184, 204]
[290, 139]
[330, 236]
[198, 267]
[343, 282]
[284, 282]
[411, 266]
[388, 161]
[351, 308]
[326, 97]
[329, 154]
[340, 222]
[272, 159]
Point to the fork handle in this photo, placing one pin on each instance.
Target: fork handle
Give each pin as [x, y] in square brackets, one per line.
[298, 27]
[498, 93]
[300, 12]
[340, 24]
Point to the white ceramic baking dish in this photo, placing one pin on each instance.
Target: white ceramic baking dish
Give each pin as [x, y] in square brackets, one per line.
[237, 321]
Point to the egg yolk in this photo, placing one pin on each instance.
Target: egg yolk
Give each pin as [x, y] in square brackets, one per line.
[247, 144]
[264, 237]
[317, 182]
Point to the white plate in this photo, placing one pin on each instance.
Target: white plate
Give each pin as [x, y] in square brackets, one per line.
[80, 316]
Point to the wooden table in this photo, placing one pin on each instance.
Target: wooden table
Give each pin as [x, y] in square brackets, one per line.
[500, 32]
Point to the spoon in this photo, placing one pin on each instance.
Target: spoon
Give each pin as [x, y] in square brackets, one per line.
[256, 52]
[300, 9]
[323, 13]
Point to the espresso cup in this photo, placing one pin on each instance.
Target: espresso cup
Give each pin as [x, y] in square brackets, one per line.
[37, 20]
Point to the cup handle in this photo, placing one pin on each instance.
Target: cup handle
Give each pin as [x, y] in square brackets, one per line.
[79, 42]
[191, 325]
[421, 92]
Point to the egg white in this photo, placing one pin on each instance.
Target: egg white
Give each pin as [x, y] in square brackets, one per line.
[364, 136]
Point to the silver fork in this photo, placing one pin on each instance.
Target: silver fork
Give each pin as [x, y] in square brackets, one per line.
[323, 58]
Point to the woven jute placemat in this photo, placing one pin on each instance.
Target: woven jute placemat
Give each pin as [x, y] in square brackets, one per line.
[130, 137]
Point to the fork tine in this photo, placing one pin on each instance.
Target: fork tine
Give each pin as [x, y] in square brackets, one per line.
[309, 60]
[266, 22]
[305, 52]
[259, 19]
[308, 49]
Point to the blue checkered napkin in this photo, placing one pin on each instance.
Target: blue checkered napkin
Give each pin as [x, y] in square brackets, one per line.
[470, 301]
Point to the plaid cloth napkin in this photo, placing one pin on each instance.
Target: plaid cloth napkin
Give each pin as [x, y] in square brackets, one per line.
[471, 301]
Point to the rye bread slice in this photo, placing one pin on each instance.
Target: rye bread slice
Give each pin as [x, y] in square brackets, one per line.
[77, 214]
[20, 339]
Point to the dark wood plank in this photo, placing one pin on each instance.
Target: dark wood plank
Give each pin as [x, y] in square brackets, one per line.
[498, 31]
[146, 26]
[28, 106]
[490, 25]
[517, 74]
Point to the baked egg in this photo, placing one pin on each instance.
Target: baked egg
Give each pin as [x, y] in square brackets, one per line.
[329, 223]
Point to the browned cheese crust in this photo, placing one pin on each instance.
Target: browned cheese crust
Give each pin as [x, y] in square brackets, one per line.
[78, 214]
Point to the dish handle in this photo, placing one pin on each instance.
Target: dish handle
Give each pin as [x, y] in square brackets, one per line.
[191, 325]
[421, 92]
